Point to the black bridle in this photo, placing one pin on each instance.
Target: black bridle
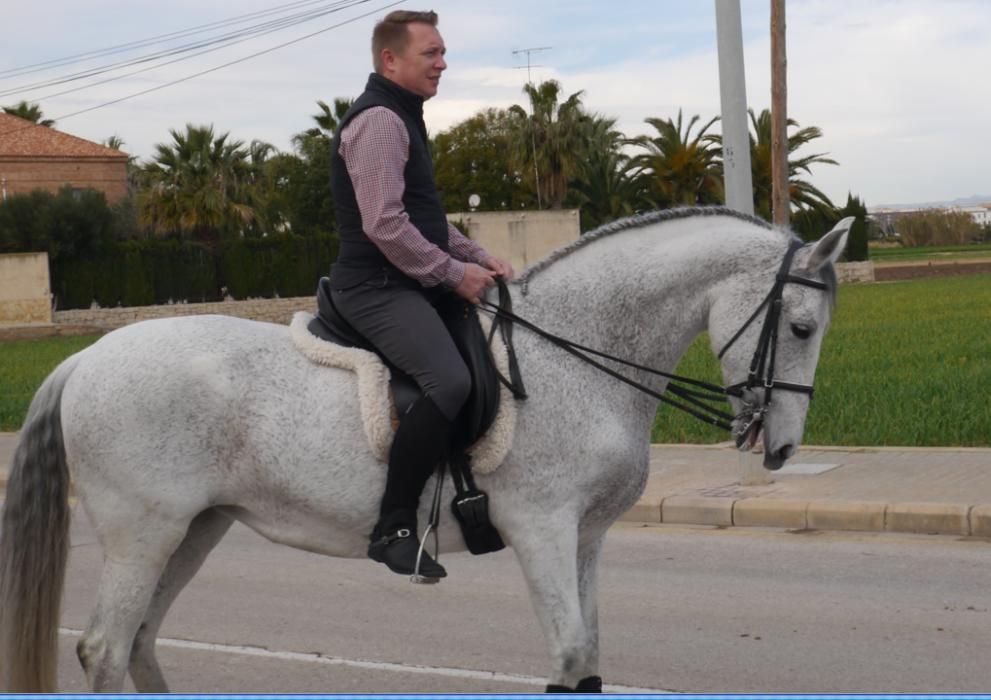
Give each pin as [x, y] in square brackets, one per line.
[761, 374]
[691, 400]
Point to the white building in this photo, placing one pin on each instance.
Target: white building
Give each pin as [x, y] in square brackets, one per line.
[981, 214]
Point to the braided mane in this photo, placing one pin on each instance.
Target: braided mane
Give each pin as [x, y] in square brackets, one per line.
[635, 221]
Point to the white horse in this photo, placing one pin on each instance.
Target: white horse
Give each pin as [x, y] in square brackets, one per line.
[172, 429]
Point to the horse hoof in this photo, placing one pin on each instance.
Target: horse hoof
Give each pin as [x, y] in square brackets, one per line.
[592, 684]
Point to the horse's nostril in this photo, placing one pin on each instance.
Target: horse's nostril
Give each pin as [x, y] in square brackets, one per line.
[784, 452]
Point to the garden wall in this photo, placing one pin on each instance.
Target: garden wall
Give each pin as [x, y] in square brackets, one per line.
[24, 289]
[271, 310]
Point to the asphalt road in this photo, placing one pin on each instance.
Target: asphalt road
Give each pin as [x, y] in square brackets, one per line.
[682, 609]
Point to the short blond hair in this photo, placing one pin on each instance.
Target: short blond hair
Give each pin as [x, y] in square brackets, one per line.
[392, 32]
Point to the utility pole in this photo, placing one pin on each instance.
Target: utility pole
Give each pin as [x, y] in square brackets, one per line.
[780, 199]
[736, 152]
[733, 100]
[533, 137]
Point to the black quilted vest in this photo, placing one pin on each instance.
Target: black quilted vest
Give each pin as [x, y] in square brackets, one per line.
[359, 259]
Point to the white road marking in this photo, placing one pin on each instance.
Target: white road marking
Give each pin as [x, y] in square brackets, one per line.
[313, 658]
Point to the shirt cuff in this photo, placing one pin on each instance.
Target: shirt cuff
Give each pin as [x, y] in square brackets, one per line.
[455, 274]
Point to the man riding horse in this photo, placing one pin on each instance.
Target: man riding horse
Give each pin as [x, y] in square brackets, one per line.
[401, 264]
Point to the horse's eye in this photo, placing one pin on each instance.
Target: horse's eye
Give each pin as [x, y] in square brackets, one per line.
[800, 331]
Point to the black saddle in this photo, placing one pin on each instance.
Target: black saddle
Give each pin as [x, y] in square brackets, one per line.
[461, 319]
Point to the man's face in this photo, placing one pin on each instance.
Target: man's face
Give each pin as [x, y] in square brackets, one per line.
[419, 67]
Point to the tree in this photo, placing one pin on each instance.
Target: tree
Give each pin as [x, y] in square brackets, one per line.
[199, 185]
[682, 169]
[607, 187]
[329, 119]
[812, 222]
[546, 143]
[69, 224]
[474, 157]
[936, 227]
[801, 192]
[31, 112]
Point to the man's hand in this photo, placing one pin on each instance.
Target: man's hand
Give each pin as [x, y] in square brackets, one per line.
[476, 280]
[502, 268]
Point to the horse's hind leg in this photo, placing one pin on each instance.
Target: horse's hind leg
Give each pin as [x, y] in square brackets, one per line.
[136, 551]
[206, 530]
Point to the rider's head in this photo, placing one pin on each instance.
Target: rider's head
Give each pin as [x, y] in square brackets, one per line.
[408, 50]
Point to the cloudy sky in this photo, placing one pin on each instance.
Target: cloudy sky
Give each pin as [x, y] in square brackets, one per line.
[899, 87]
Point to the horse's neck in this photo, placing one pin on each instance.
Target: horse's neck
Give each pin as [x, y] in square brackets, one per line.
[640, 294]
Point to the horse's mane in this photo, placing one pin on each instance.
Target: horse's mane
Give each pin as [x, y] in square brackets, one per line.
[635, 221]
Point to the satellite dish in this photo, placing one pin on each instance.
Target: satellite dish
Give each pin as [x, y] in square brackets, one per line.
[474, 200]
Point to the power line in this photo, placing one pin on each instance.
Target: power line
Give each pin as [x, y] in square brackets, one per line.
[216, 43]
[199, 29]
[216, 68]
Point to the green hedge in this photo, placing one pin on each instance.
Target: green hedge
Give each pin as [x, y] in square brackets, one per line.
[140, 273]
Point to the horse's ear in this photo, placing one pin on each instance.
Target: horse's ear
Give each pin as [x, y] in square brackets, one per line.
[829, 248]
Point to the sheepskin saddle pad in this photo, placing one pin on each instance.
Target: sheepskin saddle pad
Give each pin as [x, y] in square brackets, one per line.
[378, 405]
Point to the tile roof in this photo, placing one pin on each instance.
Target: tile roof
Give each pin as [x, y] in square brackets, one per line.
[19, 137]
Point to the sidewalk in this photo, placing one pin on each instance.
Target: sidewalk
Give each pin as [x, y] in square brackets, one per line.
[924, 490]
[921, 490]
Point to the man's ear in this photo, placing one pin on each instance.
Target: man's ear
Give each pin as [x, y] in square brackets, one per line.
[388, 60]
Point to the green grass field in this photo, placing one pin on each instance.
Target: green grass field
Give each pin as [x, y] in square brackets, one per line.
[24, 364]
[904, 364]
[957, 252]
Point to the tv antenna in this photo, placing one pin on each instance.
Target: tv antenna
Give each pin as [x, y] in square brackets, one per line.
[528, 53]
[529, 81]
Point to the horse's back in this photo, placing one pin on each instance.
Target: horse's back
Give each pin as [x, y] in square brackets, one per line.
[198, 409]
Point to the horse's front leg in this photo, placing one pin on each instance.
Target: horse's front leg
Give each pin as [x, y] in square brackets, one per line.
[588, 595]
[547, 550]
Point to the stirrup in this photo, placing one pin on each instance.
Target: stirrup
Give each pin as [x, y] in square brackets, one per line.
[432, 525]
[416, 576]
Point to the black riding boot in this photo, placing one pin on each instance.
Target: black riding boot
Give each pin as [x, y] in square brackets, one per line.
[420, 443]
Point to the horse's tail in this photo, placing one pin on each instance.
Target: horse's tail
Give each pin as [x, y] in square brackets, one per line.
[34, 544]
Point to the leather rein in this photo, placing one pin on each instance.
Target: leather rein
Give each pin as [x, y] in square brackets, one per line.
[692, 398]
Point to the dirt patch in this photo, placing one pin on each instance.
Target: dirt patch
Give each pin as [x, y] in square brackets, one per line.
[46, 331]
[892, 273]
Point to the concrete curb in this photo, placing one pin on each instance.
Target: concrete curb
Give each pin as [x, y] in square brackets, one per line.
[797, 514]
[903, 511]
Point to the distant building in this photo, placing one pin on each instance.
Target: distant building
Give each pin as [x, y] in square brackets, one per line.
[34, 157]
[981, 214]
[886, 218]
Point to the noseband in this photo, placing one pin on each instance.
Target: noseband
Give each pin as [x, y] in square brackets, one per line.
[761, 374]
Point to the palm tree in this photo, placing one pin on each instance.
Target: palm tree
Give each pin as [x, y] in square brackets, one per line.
[547, 142]
[117, 143]
[606, 188]
[329, 119]
[682, 169]
[199, 185]
[31, 112]
[802, 193]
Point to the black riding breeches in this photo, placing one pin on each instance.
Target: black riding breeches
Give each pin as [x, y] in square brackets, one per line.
[403, 323]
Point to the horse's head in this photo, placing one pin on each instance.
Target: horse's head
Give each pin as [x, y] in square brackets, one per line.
[771, 364]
